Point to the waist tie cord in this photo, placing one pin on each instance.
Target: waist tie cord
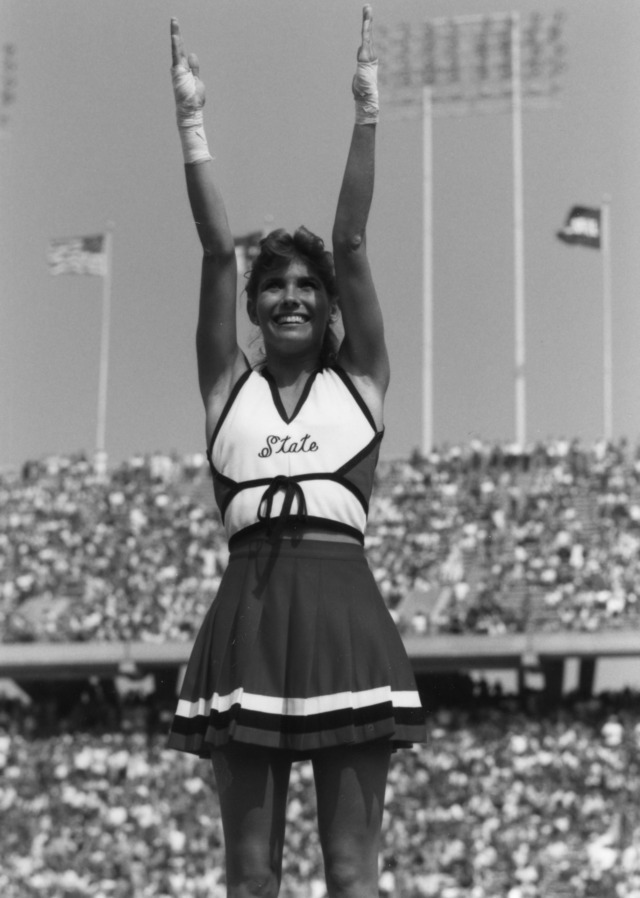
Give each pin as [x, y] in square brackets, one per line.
[292, 492]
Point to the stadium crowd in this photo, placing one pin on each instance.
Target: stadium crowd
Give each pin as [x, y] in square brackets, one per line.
[497, 804]
[501, 802]
[485, 538]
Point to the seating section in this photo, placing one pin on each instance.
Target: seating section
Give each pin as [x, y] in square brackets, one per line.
[495, 803]
[484, 538]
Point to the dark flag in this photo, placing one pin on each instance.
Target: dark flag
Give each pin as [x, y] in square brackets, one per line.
[582, 227]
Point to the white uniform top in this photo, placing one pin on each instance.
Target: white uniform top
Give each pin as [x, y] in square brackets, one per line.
[314, 467]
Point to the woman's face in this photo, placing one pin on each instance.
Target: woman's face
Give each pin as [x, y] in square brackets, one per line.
[292, 309]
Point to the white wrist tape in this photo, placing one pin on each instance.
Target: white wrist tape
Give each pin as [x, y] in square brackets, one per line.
[190, 118]
[365, 91]
[194, 142]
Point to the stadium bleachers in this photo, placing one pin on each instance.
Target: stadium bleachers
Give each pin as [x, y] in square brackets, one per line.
[496, 540]
[496, 804]
[503, 801]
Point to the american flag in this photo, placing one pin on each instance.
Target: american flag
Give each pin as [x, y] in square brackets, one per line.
[78, 255]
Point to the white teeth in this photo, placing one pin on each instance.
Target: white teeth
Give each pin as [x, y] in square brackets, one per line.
[291, 319]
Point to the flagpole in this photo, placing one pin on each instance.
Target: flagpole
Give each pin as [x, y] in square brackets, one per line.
[427, 271]
[518, 234]
[607, 304]
[104, 352]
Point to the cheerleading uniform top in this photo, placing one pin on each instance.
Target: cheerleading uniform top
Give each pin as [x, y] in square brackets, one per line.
[312, 468]
[298, 650]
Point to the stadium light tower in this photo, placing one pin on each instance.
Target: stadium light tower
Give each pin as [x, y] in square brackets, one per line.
[468, 65]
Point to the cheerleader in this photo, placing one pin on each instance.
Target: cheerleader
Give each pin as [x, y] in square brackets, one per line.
[298, 656]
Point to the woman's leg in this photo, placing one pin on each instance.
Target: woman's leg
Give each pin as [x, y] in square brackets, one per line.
[350, 787]
[252, 784]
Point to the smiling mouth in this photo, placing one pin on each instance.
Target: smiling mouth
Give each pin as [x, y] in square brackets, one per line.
[291, 319]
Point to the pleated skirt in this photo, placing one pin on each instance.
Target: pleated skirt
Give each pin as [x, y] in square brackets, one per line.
[298, 652]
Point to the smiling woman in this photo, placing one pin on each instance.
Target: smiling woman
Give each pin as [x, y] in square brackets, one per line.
[297, 274]
[298, 656]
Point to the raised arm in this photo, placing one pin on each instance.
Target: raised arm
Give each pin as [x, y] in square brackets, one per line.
[363, 352]
[218, 354]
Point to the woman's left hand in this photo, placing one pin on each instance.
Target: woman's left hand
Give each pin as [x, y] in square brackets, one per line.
[366, 52]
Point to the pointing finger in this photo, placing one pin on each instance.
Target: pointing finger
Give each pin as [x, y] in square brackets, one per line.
[367, 20]
[177, 47]
[366, 52]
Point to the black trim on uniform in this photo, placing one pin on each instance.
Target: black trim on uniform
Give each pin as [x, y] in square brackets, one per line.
[244, 377]
[348, 465]
[341, 481]
[222, 478]
[225, 488]
[277, 400]
[260, 529]
[231, 488]
[356, 395]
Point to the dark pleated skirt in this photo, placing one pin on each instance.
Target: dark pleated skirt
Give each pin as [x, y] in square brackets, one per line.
[298, 651]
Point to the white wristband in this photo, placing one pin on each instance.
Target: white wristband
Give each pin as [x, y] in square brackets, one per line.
[190, 118]
[194, 142]
[365, 91]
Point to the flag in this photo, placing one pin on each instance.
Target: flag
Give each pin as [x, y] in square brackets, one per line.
[247, 248]
[78, 255]
[582, 227]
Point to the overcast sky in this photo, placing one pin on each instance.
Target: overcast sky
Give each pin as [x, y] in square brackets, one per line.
[90, 138]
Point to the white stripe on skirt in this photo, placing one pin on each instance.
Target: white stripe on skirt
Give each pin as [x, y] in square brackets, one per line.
[298, 707]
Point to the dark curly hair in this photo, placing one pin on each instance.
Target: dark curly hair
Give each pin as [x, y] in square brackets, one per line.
[277, 250]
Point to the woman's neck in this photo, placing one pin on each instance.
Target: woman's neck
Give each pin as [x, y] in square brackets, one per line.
[287, 372]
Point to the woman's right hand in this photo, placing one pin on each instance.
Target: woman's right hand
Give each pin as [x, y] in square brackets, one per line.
[188, 89]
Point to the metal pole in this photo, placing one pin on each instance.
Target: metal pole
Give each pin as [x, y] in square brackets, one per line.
[104, 350]
[427, 271]
[449, 93]
[607, 304]
[518, 233]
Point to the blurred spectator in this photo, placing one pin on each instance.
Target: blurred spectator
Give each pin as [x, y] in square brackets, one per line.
[496, 803]
[497, 539]
[485, 538]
